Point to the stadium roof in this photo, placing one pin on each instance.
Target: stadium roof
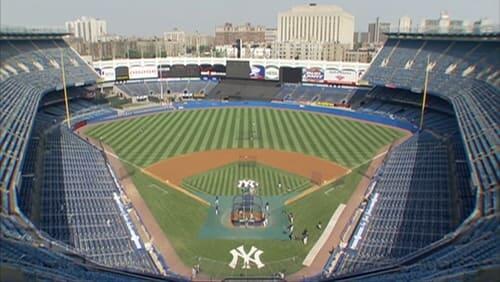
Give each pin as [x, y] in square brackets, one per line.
[7, 32]
[493, 35]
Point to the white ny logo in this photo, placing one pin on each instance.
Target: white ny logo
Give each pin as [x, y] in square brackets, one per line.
[247, 183]
[247, 257]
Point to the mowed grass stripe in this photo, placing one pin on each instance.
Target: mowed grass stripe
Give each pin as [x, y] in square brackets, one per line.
[223, 181]
[204, 134]
[137, 144]
[306, 144]
[317, 141]
[215, 132]
[346, 147]
[188, 130]
[370, 144]
[127, 134]
[173, 134]
[202, 124]
[325, 141]
[166, 135]
[150, 141]
[351, 137]
[333, 147]
[155, 141]
[282, 139]
[290, 135]
[271, 134]
[228, 143]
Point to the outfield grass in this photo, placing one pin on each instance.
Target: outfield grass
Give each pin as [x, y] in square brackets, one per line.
[146, 140]
[223, 181]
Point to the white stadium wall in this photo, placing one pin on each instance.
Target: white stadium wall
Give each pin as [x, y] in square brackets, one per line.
[331, 72]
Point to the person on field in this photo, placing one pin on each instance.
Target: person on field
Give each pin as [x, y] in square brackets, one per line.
[216, 210]
[193, 273]
[216, 200]
[267, 207]
[319, 226]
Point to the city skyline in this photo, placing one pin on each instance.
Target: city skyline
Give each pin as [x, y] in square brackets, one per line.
[151, 19]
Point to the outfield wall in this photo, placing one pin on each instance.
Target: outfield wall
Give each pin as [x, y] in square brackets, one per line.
[361, 116]
[347, 73]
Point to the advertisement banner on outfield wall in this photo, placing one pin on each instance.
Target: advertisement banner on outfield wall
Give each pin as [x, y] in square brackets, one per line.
[313, 75]
[272, 73]
[139, 72]
[210, 71]
[347, 76]
[122, 73]
[108, 74]
[257, 72]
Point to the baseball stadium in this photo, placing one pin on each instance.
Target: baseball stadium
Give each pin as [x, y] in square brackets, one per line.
[240, 169]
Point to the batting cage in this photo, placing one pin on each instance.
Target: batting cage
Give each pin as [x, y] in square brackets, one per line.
[247, 210]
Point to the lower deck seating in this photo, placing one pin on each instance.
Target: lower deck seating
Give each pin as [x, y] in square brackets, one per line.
[245, 90]
[410, 206]
[31, 262]
[477, 247]
[168, 87]
[78, 202]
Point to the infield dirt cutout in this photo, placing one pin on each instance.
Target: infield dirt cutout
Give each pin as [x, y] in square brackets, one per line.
[174, 170]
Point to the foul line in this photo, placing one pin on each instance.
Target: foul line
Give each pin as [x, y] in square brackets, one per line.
[324, 236]
[159, 188]
[333, 188]
[171, 185]
[318, 187]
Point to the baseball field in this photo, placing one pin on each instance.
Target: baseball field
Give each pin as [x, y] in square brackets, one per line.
[178, 157]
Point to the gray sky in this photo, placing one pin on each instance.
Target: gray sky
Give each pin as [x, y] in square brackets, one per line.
[153, 17]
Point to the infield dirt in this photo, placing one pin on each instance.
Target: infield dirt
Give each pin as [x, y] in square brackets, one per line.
[174, 170]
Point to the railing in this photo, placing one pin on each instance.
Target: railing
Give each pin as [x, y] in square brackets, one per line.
[5, 29]
[472, 30]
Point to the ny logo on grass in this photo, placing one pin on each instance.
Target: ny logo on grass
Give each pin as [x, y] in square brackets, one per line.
[246, 257]
[247, 183]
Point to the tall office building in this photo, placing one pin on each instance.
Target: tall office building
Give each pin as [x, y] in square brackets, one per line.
[405, 24]
[316, 23]
[376, 31]
[87, 28]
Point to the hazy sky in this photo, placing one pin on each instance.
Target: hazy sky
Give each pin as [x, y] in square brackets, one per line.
[153, 17]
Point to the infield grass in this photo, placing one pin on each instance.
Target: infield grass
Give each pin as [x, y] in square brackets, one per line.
[223, 181]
